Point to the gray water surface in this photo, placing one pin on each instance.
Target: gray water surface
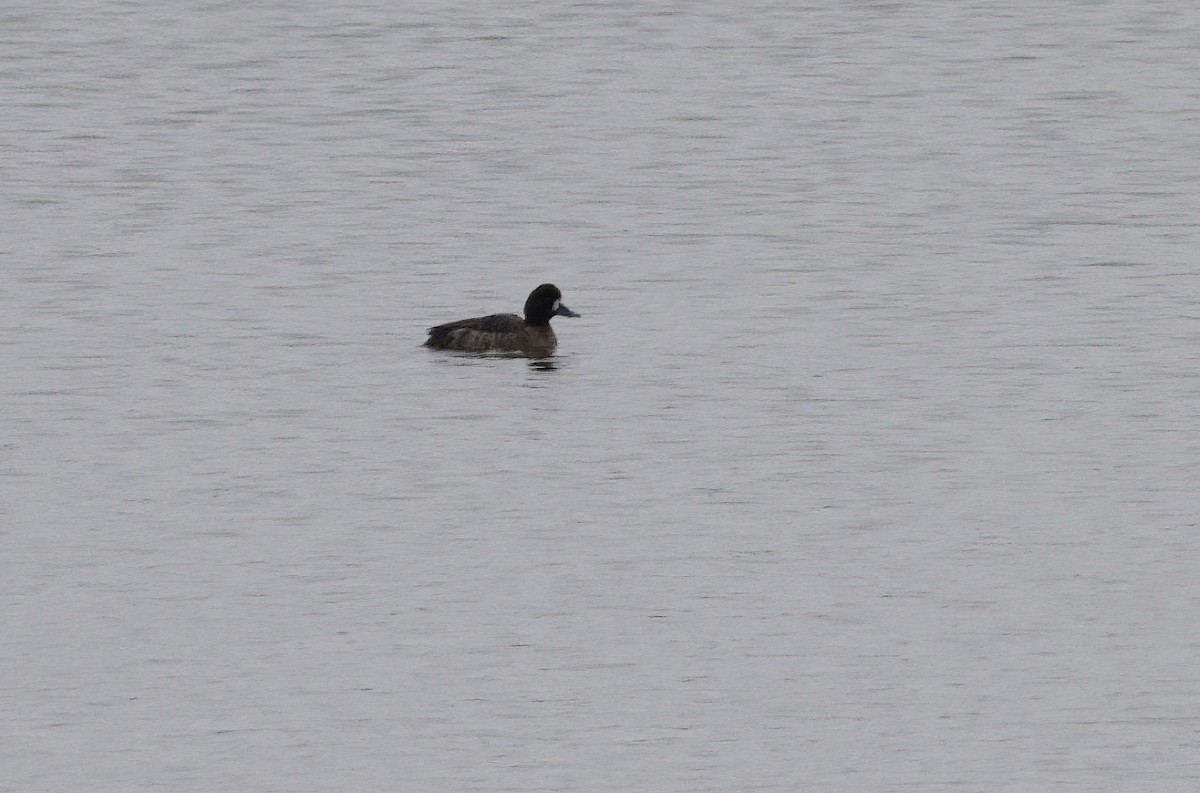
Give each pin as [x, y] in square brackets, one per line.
[871, 465]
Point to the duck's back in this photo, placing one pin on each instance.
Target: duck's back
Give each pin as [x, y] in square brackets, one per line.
[499, 332]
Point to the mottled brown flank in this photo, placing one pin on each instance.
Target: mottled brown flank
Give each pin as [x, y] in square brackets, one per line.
[496, 333]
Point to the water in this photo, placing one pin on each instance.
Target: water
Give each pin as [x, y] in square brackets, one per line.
[871, 465]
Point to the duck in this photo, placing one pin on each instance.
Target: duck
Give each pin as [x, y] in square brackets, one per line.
[530, 337]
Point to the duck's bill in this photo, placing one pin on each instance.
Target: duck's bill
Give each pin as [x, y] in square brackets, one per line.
[563, 311]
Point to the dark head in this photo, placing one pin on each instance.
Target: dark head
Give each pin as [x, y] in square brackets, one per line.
[543, 303]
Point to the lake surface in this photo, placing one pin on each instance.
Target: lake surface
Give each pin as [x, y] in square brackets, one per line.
[871, 465]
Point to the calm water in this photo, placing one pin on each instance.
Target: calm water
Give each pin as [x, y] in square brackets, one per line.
[871, 465]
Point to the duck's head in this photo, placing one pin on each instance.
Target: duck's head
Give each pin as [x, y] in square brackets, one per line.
[545, 302]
